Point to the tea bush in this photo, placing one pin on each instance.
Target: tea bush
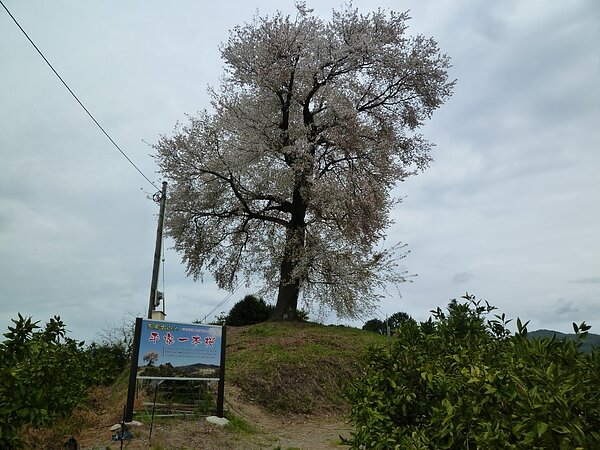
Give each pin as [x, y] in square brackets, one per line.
[463, 381]
[105, 363]
[44, 374]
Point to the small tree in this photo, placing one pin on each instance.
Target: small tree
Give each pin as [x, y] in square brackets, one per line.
[399, 319]
[248, 311]
[290, 177]
[394, 321]
[118, 335]
[375, 325]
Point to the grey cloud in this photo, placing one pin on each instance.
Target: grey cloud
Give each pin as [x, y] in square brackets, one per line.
[586, 280]
[462, 277]
[566, 307]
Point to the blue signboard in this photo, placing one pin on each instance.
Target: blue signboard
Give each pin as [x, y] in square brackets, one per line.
[178, 350]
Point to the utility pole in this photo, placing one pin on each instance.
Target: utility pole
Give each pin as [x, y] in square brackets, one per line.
[157, 249]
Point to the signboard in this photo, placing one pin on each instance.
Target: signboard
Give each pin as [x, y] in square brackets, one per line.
[177, 351]
[170, 350]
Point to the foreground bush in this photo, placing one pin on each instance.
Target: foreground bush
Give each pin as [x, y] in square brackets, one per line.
[44, 374]
[465, 382]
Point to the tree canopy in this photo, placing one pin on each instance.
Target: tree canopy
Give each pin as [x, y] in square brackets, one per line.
[288, 177]
[394, 322]
[375, 326]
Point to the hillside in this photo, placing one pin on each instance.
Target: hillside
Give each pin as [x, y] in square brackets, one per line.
[283, 390]
[592, 340]
[295, 368]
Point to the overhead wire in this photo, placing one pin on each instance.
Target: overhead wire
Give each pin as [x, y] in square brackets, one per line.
[76, 98]
[225, 300]
[227, 297]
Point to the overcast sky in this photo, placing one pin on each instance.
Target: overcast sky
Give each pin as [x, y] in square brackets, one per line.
[508, 211]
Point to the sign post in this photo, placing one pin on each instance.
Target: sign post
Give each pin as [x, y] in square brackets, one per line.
[177, 351]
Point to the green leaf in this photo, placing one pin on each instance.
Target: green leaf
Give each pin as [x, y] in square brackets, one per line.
[542, 427]
[449, 408]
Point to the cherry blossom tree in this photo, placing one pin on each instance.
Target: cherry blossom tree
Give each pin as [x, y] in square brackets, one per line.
[288, 177]
[150, 357]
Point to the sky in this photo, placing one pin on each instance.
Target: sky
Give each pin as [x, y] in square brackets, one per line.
[508, 211]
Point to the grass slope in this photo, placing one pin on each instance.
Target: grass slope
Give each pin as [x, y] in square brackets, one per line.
[296, 367]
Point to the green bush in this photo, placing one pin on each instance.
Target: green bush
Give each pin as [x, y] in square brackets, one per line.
[44, 374]
[105, 363]
[248, 311]
[394, 322]
[40, 376]
[375, 326]
[463, 381]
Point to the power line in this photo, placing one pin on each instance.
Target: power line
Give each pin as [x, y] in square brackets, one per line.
[76, 98]
[222, 302]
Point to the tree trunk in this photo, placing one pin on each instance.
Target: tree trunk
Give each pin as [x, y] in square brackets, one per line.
[290, 278]
[293, 270]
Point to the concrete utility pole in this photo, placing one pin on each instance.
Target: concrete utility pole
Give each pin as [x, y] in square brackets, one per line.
[157, 249]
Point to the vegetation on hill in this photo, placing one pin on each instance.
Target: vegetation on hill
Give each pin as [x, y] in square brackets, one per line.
[458, 380]
[248, 311]
[296, 367]
[286, 369]
[251, 310]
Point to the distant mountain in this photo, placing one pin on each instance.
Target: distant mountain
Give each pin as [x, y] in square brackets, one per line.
[592, 340]
[191, 370]
[197, 367]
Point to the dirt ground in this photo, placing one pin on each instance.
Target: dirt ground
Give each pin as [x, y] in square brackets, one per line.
[266, 431]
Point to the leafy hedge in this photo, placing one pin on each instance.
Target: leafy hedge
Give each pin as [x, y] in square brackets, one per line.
[44, 374]
[463, 381]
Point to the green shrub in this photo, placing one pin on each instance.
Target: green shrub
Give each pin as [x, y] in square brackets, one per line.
[462, 381]
[394, 322]
[375, 326]
[248, 311]
[105, 363]
[41, 376]
[44, 374]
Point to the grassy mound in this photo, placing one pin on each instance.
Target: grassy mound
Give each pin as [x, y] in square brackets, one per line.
[286, 368]
[296, 367]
